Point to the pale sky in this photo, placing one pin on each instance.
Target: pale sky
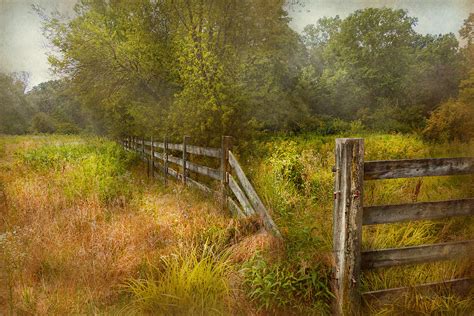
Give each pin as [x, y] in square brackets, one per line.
[23, 48]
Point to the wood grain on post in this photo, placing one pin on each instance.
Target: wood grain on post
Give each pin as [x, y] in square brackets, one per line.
[347, 224]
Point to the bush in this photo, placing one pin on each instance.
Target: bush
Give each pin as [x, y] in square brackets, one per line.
[43, 123]
[452, 120]
[389, 119]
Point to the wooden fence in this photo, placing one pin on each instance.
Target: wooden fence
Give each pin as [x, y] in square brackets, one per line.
[350, 215]
[237, 193]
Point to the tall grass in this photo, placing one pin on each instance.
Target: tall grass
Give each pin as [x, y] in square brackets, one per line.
[191, 282]
[294, 177]
[78, 218]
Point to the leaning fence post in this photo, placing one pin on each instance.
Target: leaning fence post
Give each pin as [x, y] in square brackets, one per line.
[347, 224]
[225, 168]
[185, 141]
[165, 160]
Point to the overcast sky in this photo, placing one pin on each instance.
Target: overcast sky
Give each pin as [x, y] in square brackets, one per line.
[23, 48]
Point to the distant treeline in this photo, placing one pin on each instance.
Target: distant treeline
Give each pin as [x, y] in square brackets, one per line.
[207, 68]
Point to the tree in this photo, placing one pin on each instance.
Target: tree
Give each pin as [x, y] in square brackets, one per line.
[14, 108]
[159, 65]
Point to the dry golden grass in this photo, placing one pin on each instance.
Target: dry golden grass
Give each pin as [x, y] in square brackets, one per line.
[61, 255]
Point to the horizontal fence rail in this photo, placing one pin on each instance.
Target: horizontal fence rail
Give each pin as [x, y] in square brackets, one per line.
[417, 254]
[237, 193]
[350, 215]
[408, 168]
[417, 211]
[458, 286]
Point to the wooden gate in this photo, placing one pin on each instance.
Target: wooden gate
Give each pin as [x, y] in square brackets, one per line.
[350, 215]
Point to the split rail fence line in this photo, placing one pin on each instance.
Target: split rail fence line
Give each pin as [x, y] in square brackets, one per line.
[237, 193]
[350, 215]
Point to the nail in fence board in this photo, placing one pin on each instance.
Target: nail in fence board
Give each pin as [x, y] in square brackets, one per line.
[417, 254]
[407, 168]
[347, 224]
[417, 211]
[252, 195]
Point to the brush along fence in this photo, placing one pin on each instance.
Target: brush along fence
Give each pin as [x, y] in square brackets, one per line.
[350, 215]
[236, 191]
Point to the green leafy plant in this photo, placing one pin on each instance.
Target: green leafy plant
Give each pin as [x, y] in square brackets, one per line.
[277, 286]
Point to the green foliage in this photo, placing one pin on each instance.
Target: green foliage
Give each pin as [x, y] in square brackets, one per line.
[43, 123]
[452, 120]
[192, 282]
[94, 170]
[14, 108]
[178, 68]
[275, 287]
[373, 61]
[56, 109]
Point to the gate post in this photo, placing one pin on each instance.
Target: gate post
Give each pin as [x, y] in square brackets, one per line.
[347, 224]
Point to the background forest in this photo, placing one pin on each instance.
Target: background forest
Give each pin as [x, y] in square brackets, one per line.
[206, 69]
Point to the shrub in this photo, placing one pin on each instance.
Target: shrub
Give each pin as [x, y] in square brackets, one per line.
[452, 120]
[43, 123]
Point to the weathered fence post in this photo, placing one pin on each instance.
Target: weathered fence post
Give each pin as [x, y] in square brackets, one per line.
[185, 141]
[165, 160]
[225, 168]
[347, 224]
[151, 164]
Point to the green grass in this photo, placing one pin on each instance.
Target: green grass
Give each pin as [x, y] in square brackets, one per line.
[192, 282]
[294, 177]
[84, 232]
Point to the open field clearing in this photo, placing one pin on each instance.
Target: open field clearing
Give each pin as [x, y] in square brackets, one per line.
[81, 226]
[84, 231]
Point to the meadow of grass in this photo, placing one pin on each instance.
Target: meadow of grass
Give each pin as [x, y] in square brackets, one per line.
[83, 231]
